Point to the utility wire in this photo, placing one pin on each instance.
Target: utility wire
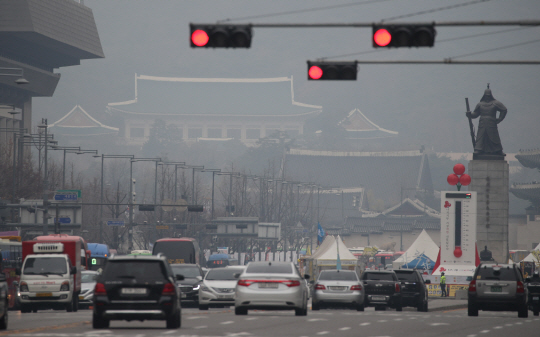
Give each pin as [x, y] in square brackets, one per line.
[304, 10]
[435, 10]
[494, 49]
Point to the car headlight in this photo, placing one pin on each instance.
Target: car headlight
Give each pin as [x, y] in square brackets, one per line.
[65, 286]
[196, 287]
[24, 287]
[205, 288]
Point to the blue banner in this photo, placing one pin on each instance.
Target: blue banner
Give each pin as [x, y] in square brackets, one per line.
[320, 234]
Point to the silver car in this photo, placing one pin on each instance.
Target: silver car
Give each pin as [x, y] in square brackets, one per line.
[338, 287]
[88, 283]
[271, 286]
[217, 288]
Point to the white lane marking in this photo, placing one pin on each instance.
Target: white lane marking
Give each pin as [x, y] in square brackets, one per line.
[471, 335]
[316, 319]
[232, 334]
[197, 317]
[345, 328]
[510, 324]
[484, 331]
[528, 321]
[497, 327]
[201, 327]
[518, 323]
[251, 318]
[169, 332]
[323, 333]
[398, 319]
[227, 322]
[99, 332]
[383, 320]
[437, 324]
[364, 324]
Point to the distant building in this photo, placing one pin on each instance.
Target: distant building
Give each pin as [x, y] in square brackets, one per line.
[78, 123]
[358, 126]
[213, 109]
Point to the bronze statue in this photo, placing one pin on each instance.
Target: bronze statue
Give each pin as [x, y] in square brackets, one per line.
[487, 139]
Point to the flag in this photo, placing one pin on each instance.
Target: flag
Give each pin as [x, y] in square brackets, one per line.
[320, 234]
[338, 262]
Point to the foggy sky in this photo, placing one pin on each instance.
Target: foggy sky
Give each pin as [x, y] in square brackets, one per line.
[424, 103]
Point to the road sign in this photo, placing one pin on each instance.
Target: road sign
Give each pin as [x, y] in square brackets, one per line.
[65, 196]
[181, 205]
[63, 220]
[162, 227]
[115, 223]
[167, 202]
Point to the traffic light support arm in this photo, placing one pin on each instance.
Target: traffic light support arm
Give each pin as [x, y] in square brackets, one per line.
[371, 24]
[446, 61]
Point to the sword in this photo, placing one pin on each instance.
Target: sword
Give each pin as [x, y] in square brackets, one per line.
[471, 126]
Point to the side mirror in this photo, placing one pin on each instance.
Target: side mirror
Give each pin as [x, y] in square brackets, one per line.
[236, 275]
[74, 270]
[15, 283]
[88, 253]
[199, 278]
[312, 282]
[18, 271]
[179, 277]
[428, 282]
[307, 277]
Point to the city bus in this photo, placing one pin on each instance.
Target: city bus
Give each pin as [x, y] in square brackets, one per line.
[11, 251]
[99, 254]
[179, 250]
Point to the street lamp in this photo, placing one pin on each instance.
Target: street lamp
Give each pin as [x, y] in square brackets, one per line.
[17, 72]
[176, 164]
[230, 174]
[130, 230]
[194, 168]
[214, 171]
[44, 127]
[103, 156]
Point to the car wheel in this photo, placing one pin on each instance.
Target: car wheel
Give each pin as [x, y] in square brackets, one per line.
[360, 307]
[315, 306]
[174, 321]
[240, 311]
[34, 310]
[536, 312]
[523, 312]
[75, 303]
[426, 307]
[399, 308]
[4, 320]
[25, 309]
[472, 310]
[203, 306]
[99, 322]
[70, 305]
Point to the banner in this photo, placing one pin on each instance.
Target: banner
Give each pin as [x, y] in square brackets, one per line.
[434, 290]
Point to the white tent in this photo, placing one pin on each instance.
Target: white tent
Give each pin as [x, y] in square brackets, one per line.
[424, 244]
[327, 242]
[329, 256]
[534, 256]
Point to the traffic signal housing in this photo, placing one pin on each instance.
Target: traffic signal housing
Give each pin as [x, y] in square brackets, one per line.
[397, 36]
[220, 36]
[338, 71]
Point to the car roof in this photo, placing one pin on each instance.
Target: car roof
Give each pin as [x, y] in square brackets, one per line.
[379, 271]
[404, 271]
[270, 262]
[336, 271]
[501, 265]
[185, 265]
[158, 257]
[89, 272]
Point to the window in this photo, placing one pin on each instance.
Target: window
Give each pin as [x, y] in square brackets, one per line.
[194, 132]
[45, 265]
[379, 277]
[136, 132]
[186, 271]
[253, 134]
[127, 270]
[234, 133]
[214, 133]
[337, 276]
[268, 268]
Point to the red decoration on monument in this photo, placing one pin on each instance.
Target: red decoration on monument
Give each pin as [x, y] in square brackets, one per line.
[465, 179]
[459, 169]
[452, 179]
[458, 252]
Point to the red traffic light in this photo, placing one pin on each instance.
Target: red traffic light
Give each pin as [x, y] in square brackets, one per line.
[199, 38]
[382, 37]
[315, 73]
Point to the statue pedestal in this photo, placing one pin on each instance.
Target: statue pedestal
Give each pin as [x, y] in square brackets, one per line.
[490, 179]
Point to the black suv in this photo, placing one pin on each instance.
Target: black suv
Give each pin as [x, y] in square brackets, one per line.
[382, 289]
[414, 292]
[4, 301]
[137, 287]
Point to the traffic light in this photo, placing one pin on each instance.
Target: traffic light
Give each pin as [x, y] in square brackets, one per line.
[339, 71]
[220, 36]
[146, 208]
[397, 36]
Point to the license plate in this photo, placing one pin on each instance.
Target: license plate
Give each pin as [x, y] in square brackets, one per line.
[43, 294]
[337, 288]
[81, 297]
[496, 289]
[268, 285]
[183, 295]
[225, 296]
[536, 298]
[134, 291]
[378, 298]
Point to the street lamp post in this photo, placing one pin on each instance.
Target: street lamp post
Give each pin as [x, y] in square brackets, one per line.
[44, 125]
[214, 171]
[176, 164]
[130, 230]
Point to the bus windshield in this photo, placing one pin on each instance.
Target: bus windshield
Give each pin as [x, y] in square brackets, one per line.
[176, 251]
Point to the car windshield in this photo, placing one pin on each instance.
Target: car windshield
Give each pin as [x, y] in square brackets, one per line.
[499, 274]
[409, 277]
[337, 276]
[379, 277]
[45, 265]
[186, 271]
[267, 268]
[89, 278]
[144, 270]
[225, 274]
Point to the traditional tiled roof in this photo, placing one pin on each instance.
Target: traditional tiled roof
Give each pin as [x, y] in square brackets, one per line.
[410, 208]
[389, 175]
[358, 126]
[383, 224]
[79, 122]
[178, 96]
[528, 191]
[529, 158]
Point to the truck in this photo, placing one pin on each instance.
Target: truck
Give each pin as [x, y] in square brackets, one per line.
[50, 277]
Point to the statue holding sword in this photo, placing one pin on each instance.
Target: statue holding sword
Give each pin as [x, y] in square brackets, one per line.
[487, 141]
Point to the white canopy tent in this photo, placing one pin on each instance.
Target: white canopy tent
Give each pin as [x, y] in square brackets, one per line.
[534, 256]
[424, 244]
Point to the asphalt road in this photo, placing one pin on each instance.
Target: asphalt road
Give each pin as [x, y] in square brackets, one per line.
[337, 322]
